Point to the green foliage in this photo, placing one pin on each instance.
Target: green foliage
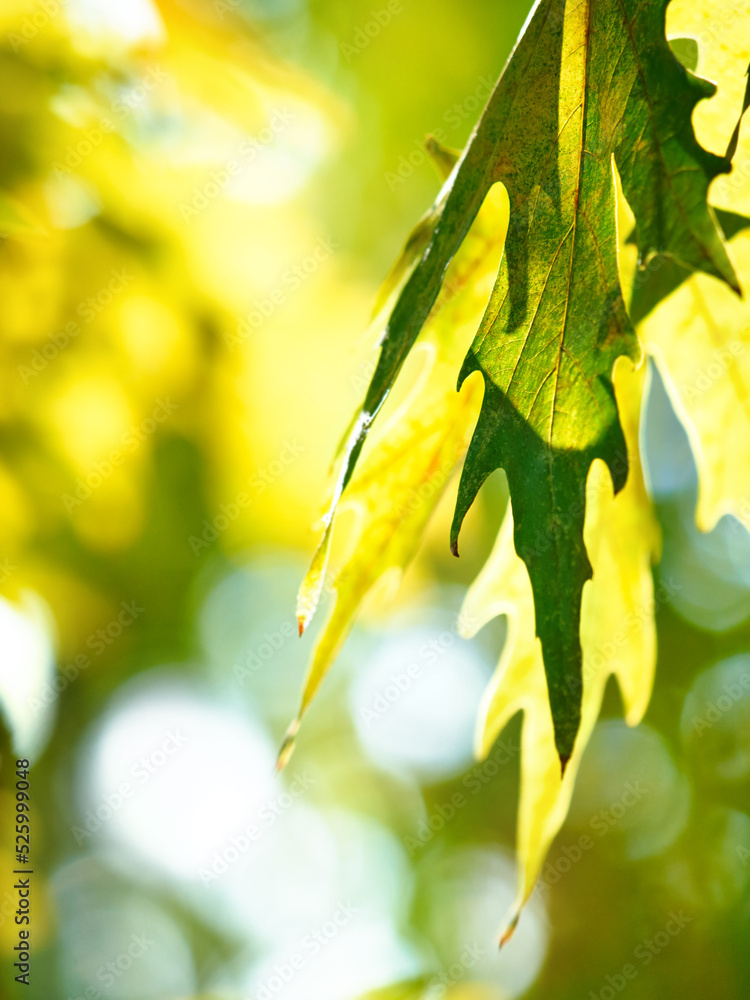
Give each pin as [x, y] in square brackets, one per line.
[587, 84]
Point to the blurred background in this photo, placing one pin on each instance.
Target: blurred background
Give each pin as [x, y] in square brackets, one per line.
[198, 202]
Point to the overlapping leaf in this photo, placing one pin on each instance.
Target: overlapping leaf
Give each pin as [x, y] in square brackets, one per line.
[588, 81]
[557, 322]
[396, 490]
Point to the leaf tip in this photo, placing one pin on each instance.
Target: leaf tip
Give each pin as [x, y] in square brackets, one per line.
[509, 931]
[730, 276]
[443, 158]
[564, 761]
[287, 747]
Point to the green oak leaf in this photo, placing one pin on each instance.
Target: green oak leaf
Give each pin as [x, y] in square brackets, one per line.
[590, 83]
[665, 172]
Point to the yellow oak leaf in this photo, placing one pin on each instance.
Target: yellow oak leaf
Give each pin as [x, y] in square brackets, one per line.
[416, 451]
[617, 637]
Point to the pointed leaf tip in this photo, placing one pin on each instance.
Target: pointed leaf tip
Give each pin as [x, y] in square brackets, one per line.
[509, 931]
[287, 747]
[443, 158]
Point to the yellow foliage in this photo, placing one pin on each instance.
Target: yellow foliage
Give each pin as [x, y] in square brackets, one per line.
[420, 443]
